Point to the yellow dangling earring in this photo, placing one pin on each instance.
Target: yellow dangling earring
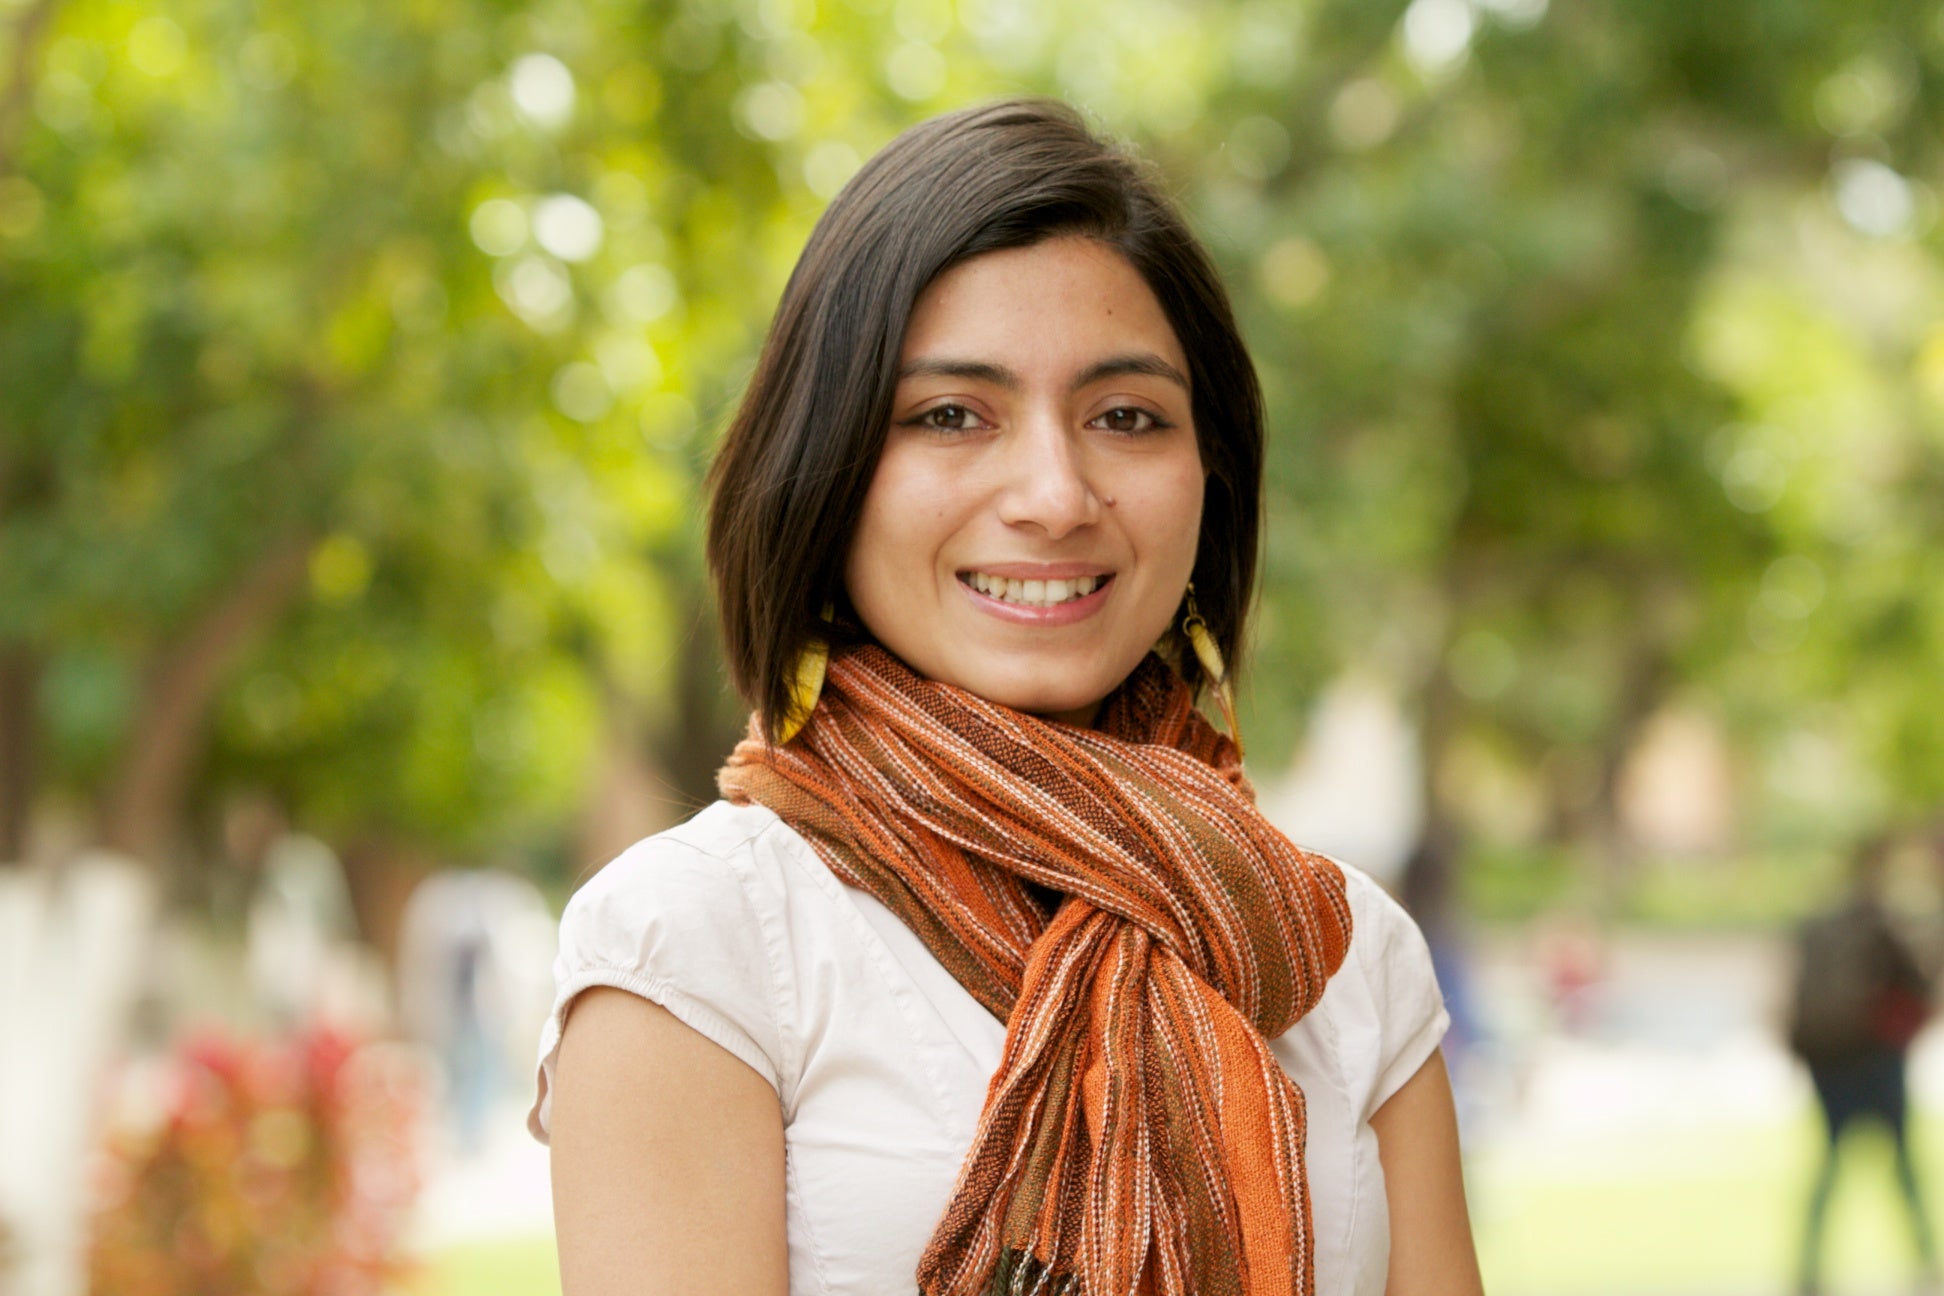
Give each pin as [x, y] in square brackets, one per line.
[806, 683]
[1210, 657]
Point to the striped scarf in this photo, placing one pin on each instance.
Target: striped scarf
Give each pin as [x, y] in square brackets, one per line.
[1138, 1136]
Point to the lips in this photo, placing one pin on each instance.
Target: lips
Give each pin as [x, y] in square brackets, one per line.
[1034, 592]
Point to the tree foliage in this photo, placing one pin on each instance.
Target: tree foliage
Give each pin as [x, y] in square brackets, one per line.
[358, 364]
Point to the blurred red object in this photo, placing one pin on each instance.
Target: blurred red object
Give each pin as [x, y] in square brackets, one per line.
[282, 1169]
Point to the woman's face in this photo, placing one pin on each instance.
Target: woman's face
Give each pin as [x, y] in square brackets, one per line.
[1032, 522]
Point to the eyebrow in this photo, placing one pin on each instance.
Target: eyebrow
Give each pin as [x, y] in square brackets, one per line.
[1138, 362]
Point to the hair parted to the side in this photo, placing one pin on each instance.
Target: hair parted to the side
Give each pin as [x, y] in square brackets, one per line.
[790, 477]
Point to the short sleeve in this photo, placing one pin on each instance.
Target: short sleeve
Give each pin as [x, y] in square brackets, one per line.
[1391, 953]
[678, 925]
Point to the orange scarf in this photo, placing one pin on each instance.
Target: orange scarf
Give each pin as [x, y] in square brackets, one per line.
[1138, 1136]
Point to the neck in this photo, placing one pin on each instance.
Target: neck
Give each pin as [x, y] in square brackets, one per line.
[1079, 717]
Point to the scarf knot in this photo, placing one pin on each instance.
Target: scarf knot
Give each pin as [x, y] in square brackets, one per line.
[1138, 1135]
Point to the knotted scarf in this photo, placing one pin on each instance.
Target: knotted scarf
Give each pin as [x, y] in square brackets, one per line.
[1138, 1136]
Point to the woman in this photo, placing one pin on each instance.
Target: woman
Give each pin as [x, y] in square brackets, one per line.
[986, 975]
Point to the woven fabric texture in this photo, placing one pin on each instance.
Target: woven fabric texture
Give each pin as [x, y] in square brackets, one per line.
[1138, 1135]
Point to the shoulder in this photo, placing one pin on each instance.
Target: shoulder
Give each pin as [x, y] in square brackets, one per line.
[704, 897]
[694, 919]
[1384, 1007]
[727, 862]
[719, 832]
[1387, 947]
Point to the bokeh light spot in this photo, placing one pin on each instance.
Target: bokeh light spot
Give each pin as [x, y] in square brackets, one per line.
[769, 110]
[568, 227]
[157, 47]
[340, 568]
[915, 71]
[1363, 114]
[1482, 664]
[1437, 35]
[829, 166]
[1754, 479]
[543, 90]
[641, 294]
[1874, 199]
[498, 227]
[1294, 272]
[581, 392]
[537, 290]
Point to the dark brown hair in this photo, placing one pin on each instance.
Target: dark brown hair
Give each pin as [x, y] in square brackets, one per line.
[794, 466]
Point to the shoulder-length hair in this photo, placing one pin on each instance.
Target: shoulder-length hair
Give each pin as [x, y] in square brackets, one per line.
[791, 475]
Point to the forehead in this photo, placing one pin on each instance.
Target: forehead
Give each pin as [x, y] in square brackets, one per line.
[1056, 304]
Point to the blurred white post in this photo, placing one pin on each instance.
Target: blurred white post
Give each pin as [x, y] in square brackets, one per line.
[73, 942]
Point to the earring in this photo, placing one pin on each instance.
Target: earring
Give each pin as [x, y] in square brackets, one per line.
[806, 683]
[1210, 657]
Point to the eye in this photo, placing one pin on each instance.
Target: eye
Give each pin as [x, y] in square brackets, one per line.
[1131, 419]
[947, 418]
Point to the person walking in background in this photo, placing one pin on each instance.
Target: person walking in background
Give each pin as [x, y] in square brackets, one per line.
[1426, 890]
[474, 955]
[1860, 999]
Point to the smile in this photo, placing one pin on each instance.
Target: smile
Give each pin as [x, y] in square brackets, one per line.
[1033, 593]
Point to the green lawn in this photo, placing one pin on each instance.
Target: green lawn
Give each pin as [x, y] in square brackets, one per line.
[509, 1267]
[1713, 1214]
[1703, 1215]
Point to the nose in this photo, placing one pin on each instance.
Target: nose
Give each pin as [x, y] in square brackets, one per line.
[1047, 478]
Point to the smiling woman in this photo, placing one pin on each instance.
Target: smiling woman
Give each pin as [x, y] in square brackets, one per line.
[987, 976]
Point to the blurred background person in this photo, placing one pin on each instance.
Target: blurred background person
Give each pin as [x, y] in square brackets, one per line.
[473, 982]
[1860, 999]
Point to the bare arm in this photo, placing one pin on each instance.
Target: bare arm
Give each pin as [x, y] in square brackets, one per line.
[667, 1159]
[1417, 1141]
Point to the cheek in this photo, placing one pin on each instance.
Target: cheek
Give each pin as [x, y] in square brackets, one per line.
[898, 526]
[1170, 517]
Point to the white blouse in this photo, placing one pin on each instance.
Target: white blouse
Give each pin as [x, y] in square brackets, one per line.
[880, 1059]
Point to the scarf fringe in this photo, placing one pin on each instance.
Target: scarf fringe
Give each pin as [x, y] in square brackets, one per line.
[1021, 1273]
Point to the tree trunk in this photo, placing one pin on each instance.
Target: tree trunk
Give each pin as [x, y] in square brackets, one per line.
[380, 873]
[27, 32]
[1641, 688]
[140, 810]
[1437, 725]
[630, 796]
[19, 734]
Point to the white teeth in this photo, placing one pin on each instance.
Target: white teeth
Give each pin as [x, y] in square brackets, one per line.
[1033, 593]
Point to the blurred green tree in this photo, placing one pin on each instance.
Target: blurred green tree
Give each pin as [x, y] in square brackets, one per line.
[357, 366]
[1503, 263]
[352, 365]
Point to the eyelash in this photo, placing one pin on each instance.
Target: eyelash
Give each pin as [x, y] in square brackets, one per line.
[924, 419]
[1155, 423]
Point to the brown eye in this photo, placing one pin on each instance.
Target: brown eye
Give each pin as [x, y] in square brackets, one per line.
[949, 418]
[1129, 419]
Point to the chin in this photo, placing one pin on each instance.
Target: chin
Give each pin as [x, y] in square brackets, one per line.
[1041, 697]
